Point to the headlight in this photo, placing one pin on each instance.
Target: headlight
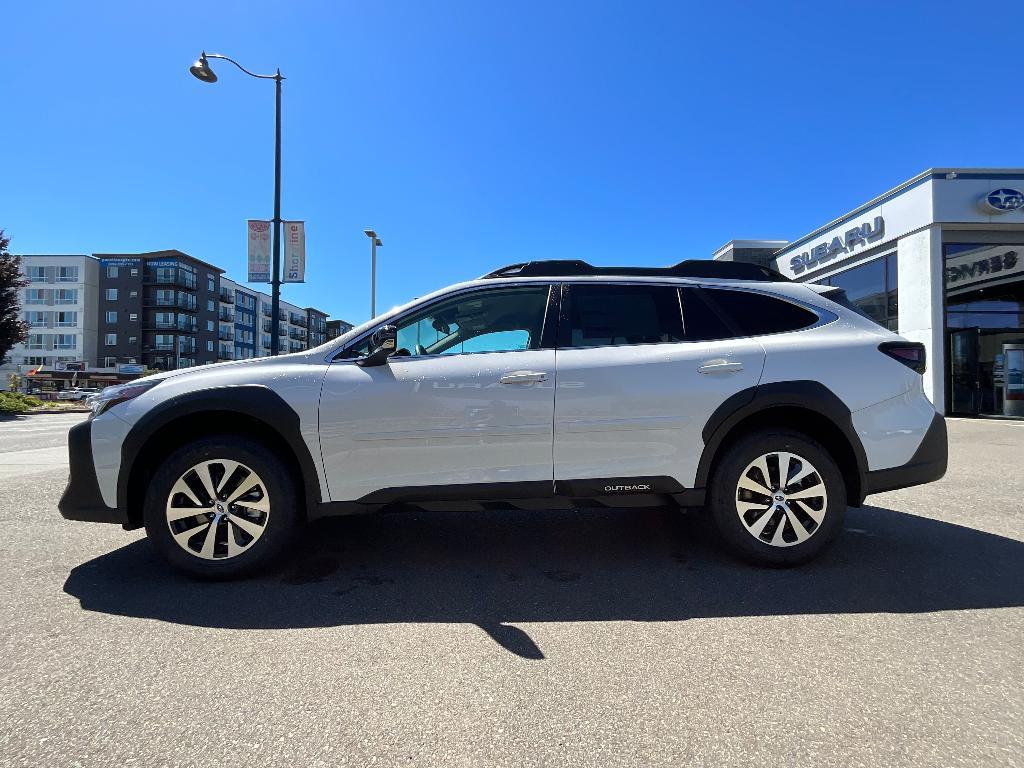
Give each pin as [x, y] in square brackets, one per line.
[111, 396]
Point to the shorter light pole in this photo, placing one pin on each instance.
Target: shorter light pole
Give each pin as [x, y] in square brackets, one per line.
[375, 243]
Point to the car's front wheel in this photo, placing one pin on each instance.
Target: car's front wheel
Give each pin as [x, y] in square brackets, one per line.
[221, 507]
[777, 497]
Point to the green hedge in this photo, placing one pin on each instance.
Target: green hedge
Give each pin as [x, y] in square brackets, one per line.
[16, 402]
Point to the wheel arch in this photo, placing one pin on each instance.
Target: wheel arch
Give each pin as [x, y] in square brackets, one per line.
[807, 406]
[253, 411]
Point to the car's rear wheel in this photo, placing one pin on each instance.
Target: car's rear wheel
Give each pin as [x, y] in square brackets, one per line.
[777, 498]
[221, 507]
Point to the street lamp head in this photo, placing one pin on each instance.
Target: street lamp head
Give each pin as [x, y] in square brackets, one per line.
[201, 70]
[377, 242]
[369, 233]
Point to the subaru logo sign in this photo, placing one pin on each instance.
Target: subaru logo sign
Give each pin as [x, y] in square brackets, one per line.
[1003, 200]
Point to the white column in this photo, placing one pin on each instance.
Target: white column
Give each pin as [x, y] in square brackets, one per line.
[921, 282]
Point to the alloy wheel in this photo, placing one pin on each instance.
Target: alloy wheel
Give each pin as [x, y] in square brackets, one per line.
[218, 509]
[781, 499]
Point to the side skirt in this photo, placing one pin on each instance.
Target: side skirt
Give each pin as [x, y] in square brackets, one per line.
[653, 491]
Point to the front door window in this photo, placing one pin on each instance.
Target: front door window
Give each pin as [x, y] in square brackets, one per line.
[500, 320]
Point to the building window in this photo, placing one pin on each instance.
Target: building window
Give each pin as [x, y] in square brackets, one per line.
[112, 317]
[67, 274]
[209, 325]
[209, 305]
[111, 273]
[110, 340]
[36, 341]
[133, 316]
[985, 328]
[111, 294]
[166, 274]
[210, 286]
[132, 340]
[109, 362]
[66, 319]
[135, 273]
[35, 318]
[37, 274]
[164, 342]
[209, 346]
[64, 341]
[66, 296]
[872, 288]
[35, 360]
[34, 296]
[133, 294]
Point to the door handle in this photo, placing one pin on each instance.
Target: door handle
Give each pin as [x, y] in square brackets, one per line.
[720, 365]
[523, 377]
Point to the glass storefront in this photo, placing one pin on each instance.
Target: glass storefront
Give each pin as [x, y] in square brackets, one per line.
[985, 329]
[872, 287]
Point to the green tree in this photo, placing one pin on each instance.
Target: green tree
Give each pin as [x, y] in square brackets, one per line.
[13, 330]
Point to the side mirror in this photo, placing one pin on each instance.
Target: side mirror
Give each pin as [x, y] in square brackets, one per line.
[382, 346]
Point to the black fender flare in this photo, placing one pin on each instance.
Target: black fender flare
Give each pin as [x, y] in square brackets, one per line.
[809, 395]
[255, 401]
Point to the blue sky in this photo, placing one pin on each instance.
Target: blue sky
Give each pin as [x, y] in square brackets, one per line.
[471, 135]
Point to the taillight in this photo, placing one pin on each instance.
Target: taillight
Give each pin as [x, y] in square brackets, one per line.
[910, 353]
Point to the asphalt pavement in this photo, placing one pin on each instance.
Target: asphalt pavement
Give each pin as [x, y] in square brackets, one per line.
[586, 637]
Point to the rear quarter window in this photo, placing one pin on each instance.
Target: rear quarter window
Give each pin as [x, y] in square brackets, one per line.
[757, 314]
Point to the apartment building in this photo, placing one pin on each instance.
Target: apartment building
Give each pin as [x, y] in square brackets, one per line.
[109, 316]
[336, 328]
[159, 309]
[59, 305]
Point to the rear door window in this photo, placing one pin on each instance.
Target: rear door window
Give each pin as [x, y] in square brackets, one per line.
[701, 321]
[602, 315]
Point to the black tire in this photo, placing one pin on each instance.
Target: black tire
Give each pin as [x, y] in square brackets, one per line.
[280, 523]
[725, 492]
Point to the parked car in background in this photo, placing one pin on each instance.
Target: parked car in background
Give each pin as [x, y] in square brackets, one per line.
[773, 404]
[77, 393]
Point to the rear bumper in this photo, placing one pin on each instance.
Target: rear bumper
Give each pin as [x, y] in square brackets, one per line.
[82, 499]
[926, 465]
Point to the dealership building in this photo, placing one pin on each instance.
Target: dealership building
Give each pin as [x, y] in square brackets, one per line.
[940, 260]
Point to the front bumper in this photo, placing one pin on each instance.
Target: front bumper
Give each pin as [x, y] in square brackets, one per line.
[926, 465]
[82, 499]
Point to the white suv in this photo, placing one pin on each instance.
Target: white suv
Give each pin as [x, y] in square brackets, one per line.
[774, 404]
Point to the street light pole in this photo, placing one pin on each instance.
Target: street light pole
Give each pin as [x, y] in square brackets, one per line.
[375, 242]
[202, 71]
[275, 283]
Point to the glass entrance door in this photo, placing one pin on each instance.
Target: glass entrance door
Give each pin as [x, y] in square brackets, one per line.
[964, 384]
[985, 372]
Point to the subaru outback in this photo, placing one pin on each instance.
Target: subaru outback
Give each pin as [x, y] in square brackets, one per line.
[773, 405]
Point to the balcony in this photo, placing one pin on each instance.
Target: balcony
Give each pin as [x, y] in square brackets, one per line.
[224, 335]
[187, 303]
[225, 353]
[179, 278]
[297, 334]
[226, 316]
[228, 297]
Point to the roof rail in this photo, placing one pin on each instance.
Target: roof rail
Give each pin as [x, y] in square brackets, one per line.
[727, 270]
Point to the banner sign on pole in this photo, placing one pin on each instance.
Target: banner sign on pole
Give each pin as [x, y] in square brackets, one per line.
[294, 252]
[259, 251]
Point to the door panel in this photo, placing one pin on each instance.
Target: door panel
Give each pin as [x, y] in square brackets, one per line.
[437, 420]
[631, 411]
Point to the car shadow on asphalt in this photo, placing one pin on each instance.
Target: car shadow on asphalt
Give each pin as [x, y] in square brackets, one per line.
[499, 568]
